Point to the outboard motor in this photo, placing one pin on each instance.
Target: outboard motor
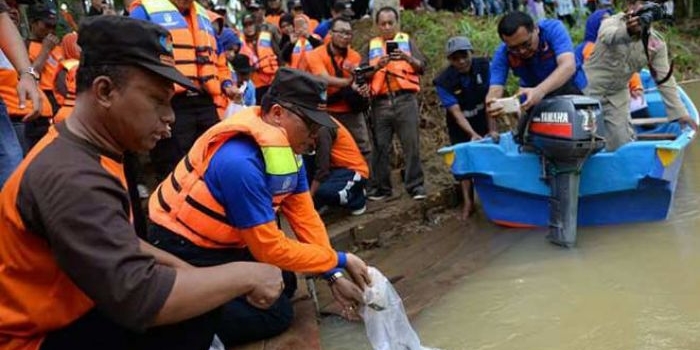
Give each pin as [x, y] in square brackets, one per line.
[565, 130]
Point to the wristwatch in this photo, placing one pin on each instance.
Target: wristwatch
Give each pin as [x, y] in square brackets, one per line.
[334, 277]
[31, 71]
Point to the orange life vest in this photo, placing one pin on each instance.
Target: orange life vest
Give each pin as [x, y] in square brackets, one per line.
[48, 73]
[263, 59]
[183, 204]
[195, 53]
[8, 92]
[301, 47]
[67, 102]
[398, 73]
[36, 296]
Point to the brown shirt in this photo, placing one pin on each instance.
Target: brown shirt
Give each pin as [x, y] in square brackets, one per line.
[68, 197]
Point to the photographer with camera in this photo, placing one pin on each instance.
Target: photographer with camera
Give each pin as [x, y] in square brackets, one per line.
[335, 63]
[626, 44]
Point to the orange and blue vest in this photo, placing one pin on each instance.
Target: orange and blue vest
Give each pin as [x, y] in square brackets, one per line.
[183, 203]
[301, 47]
[398, 73]
[195, 53]
[262, 58]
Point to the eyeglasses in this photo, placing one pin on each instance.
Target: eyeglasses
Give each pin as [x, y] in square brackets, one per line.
[310, 124]
[345, 33]
[525, 46]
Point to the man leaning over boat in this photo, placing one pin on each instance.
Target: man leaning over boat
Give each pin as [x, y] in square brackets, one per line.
[540, 54]
[619, 53]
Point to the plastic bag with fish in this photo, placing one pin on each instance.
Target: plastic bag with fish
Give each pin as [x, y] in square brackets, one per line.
[385, 319]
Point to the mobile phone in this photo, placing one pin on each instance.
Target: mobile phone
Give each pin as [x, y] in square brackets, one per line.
[391, 46]
[509, 104]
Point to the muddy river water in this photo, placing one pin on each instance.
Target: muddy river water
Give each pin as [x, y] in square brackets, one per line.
[623, 287]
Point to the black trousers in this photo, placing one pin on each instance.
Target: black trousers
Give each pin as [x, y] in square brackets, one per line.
[95, 331]
[193, 116]
[239, 322]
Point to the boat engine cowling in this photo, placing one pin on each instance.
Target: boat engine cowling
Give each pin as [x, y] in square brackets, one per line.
[566, 131]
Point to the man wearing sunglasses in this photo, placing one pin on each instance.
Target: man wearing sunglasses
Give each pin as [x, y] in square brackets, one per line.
[540, 54]
[219, 205]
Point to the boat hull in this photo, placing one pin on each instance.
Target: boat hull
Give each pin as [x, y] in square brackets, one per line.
[636, 183]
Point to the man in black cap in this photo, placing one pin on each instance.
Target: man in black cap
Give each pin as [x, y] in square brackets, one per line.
[73, 274]
[220, 204]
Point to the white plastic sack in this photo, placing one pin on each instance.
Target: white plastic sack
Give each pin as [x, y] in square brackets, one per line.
[217, 344]
[385, 318]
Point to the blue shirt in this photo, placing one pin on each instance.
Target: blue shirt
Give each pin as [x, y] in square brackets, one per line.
[236, 178]
[248, 93]
[554, 41]
[323, 28]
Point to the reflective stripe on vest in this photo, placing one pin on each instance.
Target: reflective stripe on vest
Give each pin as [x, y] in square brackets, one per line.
[194, 57]
[183, 204]
[399, 70]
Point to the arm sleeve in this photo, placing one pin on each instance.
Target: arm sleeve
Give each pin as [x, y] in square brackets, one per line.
[84, 216]
[222, 70]
[613, 31]
[305, 221]
[315, 64]
[559, 39]
[446, 97]
[499, 66]
[236, 179]
[324, 143]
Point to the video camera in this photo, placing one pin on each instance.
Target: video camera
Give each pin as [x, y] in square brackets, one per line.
[359, 74]
[652, 12]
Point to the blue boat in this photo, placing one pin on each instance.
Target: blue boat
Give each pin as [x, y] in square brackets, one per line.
[636, 183]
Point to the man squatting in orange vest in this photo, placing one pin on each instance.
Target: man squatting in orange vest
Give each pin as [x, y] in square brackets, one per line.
[73, 273]
[220, 204]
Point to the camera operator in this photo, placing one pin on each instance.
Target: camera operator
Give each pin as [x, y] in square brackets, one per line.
[626, 44]
[334, 62]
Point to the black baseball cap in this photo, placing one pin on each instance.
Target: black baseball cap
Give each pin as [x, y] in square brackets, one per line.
[302, 91]
[42, 12]
[118, 40]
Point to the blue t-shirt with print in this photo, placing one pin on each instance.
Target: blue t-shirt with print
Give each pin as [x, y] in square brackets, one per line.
[554, 41]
